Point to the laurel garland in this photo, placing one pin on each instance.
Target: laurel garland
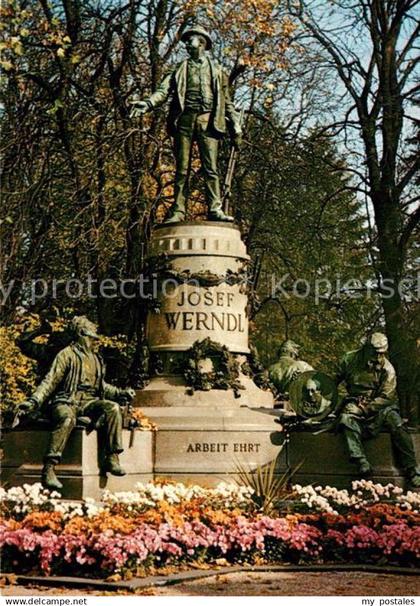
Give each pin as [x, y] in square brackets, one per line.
[161, 266]
[253, 368]
[225, 371]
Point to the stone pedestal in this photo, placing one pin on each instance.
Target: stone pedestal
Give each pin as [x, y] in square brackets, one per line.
[78, 471]
[188, 453]
[172, 390]
[199, 307]
[208, 445]
[202, 436]
[323, 459]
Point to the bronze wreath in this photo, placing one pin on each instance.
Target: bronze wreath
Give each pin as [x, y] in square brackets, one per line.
[225, 368]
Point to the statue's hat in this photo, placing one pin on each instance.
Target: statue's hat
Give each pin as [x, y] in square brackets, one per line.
[81, 326]
[379, 342]
[197, 29]
[288, 347]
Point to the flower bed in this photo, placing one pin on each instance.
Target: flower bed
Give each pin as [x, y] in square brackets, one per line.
[171, 524]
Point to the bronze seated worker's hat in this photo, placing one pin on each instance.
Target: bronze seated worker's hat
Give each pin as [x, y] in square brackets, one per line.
[289, 347]
[379, 342]
[80, 325]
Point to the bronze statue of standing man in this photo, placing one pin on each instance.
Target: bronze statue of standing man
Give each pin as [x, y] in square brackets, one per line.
[201, 110]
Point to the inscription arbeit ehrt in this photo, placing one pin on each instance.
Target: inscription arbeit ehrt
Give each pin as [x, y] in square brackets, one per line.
[236, 447]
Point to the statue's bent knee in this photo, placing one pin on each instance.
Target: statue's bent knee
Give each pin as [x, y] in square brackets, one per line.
[111, 408]
[68, 422]
[393, 421]
[348, 421]
[64, 418]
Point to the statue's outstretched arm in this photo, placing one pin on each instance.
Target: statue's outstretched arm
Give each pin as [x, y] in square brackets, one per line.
[111, 392]
[161, 94]
[158, 98]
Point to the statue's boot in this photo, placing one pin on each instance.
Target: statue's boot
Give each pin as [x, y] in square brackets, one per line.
[48, 478]
[413, 478]
[175, 217]
[216, 210]
[112, 465]
[176, 213]
[365, 468]
[219, 215]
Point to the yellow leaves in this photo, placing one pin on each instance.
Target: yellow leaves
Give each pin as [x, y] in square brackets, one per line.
[75, 59]
[288, 27]
[145, 424]
[58, 104]
[64, 42]
[117, 341]
[14, 23]
[17, 372]
[6, 65]
[59, 324]
[257, 31]
[14, 45]
[20, 24]
[18, 49]
[149, 186]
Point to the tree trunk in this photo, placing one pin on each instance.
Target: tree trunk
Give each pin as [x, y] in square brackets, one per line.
[402, 348]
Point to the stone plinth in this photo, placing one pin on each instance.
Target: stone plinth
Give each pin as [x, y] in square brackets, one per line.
[172, 390]
[323, 459]
[209, 444]
[78, 471]
[204, 434]
[193, 310]
[184, 451]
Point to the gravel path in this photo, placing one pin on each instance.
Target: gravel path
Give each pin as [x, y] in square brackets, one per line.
[263, 584]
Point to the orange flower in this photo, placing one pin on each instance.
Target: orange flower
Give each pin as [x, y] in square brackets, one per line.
[171, 513]
[77, 525]
[10, 524]
[292, 519]
[100, 523]
[216, 516]
[152, 516]
[44, 520]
